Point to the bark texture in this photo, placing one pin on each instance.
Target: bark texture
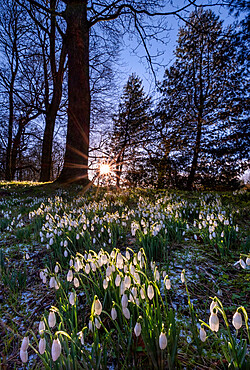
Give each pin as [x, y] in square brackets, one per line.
[77, 45]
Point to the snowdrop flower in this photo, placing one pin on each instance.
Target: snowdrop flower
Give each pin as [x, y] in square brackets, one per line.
[118, 280]
[25, 344]
[56, 349]
[113, 313]
[237, 320]
[108, 271]
[76, 282]
[52, 319]
[127, 255]
[41, 327]
[213, 307]
[214, 322]
[203, 335]
[248, 261]
[119, 261]
[97, 322]
[137, 329]
[65, 253]
[127, 281]
[87, 268]
[42, 346]
[70, 275]
[72, 298]
[24, 356]
[105, 284]
[168, 284]
[91, 328]
[97, 306]
[122, 287]
[126, 313]
[242, 263]
[150, 292]
[52, 282]
[124, 301]
[142, 293]
[163, 341]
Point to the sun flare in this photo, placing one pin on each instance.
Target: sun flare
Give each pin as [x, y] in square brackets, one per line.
[104, 169]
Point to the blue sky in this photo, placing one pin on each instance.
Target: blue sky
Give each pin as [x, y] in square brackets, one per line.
[133, 63]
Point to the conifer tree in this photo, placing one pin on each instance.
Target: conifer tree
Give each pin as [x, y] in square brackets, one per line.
[131, 127]
[204, 99]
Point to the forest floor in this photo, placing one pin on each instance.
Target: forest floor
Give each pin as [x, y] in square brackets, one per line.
[176, 229]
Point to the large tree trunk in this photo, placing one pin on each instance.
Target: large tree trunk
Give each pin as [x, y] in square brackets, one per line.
[53, 106]
[191, 176]
[77, 143]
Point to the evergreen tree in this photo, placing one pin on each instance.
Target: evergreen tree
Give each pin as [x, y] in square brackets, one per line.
[131, 127]
[205, 98]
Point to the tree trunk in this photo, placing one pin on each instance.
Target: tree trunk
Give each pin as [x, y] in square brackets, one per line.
[190, 180]
[75, 167]
[8, 171]
[15, 147]
[52, 108]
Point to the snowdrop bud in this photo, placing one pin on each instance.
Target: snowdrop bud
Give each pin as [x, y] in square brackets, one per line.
[183, 276]
[42, 346]
[56, 349]
[168, 284]
[248, 261]
[41, 327]
[72, 298]
[70, 275]
[203, 335]
[150, 292]
[124, 301]
[25, 344]
[117, 280]
[77, 236]
[237, 320]
[113, 314]
[105, 284]
[76, 282]
[126, 313]
[214, 322]
[163, 341]
[97, 307]
[52, 319]
[65, 253]
[24, 356]
[137, 329]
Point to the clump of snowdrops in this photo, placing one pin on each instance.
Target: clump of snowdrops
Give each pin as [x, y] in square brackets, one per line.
[114, 309]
